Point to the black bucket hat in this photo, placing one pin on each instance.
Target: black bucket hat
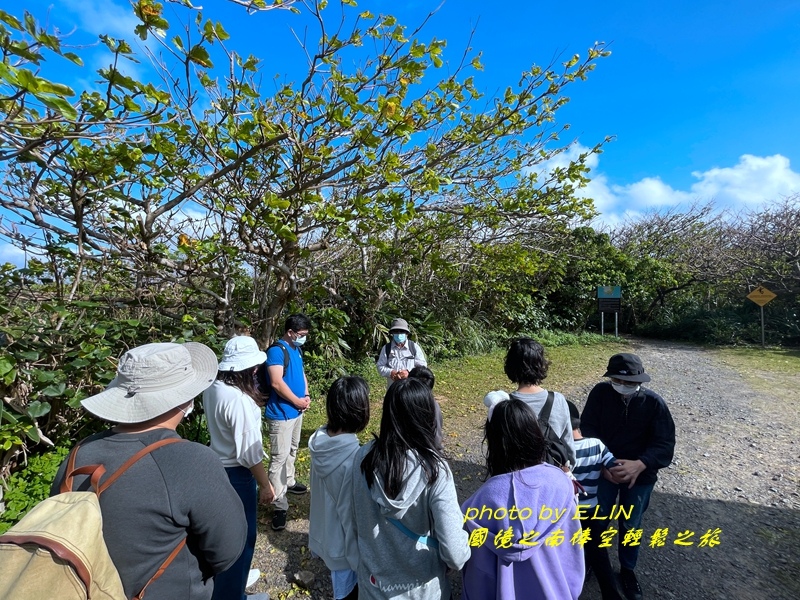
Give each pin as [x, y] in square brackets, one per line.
[627, 367]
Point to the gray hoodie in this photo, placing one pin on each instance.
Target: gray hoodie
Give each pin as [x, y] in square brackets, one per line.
[331, 534]
[392, 565]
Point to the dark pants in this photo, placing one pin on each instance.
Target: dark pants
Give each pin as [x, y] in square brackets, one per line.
[597, 559]
[230, 584]
[639, 498]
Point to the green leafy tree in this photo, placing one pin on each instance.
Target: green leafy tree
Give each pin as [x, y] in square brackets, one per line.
[355, 153]
[148, 207]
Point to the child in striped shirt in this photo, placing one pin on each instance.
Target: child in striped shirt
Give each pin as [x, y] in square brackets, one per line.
[591, 456]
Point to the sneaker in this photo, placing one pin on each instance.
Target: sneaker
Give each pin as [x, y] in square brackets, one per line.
[297, 488]
[279, 520]
[630, 585]
[252, 577]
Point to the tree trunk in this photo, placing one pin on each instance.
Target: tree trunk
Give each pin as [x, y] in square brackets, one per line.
[270, 314]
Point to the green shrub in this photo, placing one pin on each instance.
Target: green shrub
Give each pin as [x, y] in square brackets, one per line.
[30, 485]
[726, 327]
[563, 338]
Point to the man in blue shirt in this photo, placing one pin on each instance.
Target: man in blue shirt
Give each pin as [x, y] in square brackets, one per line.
[288, 399]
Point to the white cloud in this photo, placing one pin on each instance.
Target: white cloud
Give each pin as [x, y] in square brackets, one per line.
[104, 17]
[752, 181]
[195, 221]
[648, 193]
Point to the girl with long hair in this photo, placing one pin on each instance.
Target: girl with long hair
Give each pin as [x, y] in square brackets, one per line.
[406, 514]
[524, 513]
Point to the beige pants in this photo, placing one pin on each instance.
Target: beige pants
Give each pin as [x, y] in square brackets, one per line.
[284, 439]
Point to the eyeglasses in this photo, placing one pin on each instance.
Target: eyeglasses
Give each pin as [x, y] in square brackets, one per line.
[302, 333]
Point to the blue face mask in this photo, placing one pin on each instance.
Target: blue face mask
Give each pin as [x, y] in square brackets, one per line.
[399, 338]
[299, 341]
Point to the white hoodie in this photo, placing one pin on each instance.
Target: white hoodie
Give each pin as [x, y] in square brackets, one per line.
[331, 533]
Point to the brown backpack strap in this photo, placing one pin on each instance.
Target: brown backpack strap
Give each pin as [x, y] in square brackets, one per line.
[94, 471]
[114, 476]
[135, 458]
[162, 568]
[97, 471]
[66, 484]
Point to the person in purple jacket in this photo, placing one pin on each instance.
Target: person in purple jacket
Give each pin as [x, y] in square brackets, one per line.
[524, 536]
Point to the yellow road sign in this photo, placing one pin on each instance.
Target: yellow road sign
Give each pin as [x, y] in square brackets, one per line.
[761, 295]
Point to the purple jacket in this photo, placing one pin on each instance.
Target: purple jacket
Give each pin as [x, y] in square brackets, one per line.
[524, 564]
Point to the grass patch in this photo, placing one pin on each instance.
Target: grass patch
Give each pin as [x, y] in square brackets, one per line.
[775, 372]
[464, 382]
[774, 360]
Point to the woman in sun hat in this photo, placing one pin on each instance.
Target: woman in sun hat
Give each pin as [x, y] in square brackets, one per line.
[397, 358]
[177, 494]
[234, 422]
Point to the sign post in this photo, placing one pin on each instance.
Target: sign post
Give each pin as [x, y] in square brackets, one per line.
[761, 296]
[609, 299]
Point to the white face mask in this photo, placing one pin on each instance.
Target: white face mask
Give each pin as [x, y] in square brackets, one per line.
[625, 390]
[187, 411]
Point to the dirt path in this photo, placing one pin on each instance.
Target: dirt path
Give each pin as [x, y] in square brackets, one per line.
[735, 469]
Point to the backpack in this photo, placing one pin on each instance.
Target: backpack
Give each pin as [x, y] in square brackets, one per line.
[57, 549]
[556, 450]
[387, 349]
[262, 375]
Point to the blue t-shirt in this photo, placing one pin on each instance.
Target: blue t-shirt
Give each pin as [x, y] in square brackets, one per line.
[280, 409]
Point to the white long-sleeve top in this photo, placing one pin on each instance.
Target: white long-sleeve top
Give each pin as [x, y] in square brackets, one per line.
[234, 422]
[399, 358]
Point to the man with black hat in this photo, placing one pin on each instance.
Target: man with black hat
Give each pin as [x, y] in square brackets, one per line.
[636, 426]
[400, 355]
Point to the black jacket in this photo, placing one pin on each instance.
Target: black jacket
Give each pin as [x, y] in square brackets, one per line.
[642, 430]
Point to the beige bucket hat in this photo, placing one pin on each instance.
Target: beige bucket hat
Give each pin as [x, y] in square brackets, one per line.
[153, 379]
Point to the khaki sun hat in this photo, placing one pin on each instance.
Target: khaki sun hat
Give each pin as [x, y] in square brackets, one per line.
[152, 380]
[399, 325]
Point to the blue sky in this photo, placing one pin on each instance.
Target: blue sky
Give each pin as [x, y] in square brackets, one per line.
[700, 96]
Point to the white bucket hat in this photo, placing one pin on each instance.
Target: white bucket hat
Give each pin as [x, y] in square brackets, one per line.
[153, 379]
[241, 352]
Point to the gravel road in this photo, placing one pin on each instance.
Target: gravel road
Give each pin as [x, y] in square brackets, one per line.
[735, 469]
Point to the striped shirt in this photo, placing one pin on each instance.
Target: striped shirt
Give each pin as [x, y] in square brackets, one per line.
[591, 455]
